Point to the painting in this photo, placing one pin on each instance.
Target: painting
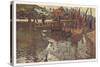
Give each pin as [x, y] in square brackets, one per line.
[50, 33]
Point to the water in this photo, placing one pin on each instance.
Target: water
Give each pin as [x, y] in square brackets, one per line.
[37, 45]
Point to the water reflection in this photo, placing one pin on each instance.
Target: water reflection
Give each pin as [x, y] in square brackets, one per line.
[47, 45]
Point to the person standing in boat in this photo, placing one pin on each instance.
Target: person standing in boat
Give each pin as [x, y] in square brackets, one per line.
[35, 15]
